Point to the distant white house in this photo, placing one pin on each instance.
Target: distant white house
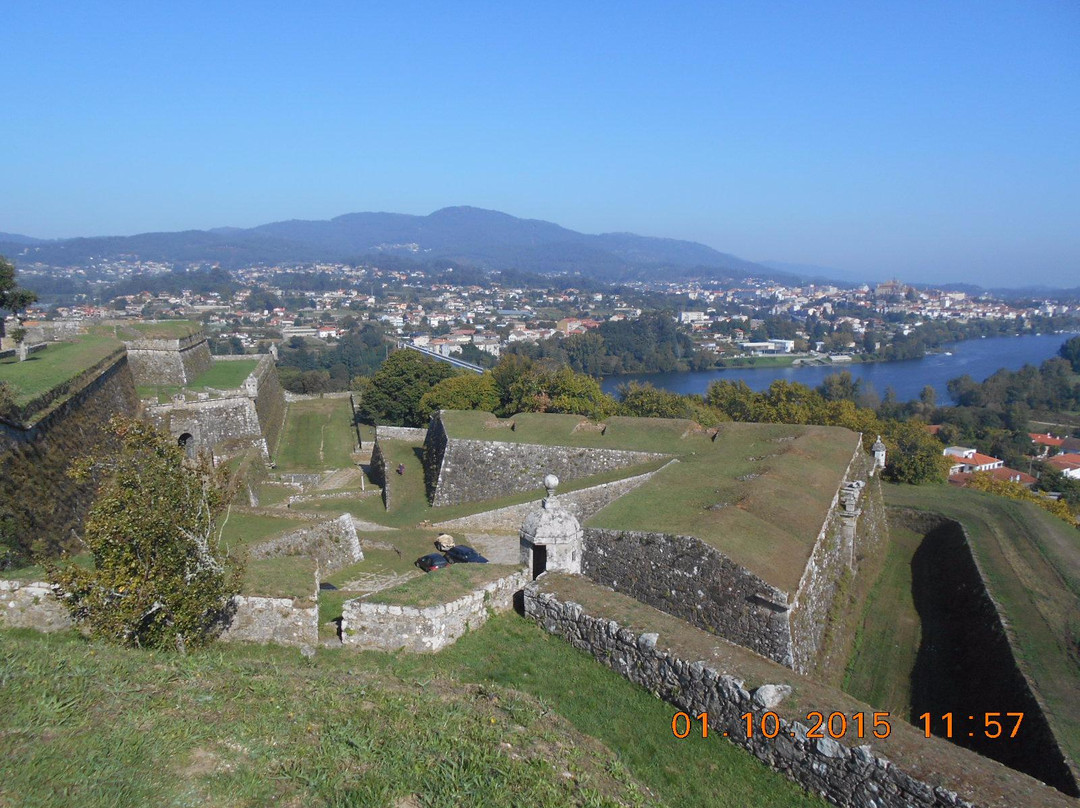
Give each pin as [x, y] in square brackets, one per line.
[969, 460]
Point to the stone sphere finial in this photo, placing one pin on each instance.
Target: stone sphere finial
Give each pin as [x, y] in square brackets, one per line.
[551, 482]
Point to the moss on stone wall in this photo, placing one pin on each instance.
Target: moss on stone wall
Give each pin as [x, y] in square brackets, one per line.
[45, 508]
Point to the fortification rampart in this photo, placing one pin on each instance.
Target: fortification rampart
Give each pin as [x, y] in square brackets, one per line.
[168, 361]
[685, 577]
[32, 604]
[846, 770]
[831, 562]
[282, 621]
[458, 470]
[380, 626]
[47, 507]
[966, 659]
[252, 415]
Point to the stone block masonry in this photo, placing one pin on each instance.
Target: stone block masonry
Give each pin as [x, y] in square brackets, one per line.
[687, 578]
[282, 621]
[582, 503]
[248, 619]
[919, 772]
[333, 543]
[458, 470]
[32, 605]
[380, 626]
[168, 361]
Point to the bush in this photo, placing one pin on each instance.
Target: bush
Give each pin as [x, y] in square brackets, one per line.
[159, 577]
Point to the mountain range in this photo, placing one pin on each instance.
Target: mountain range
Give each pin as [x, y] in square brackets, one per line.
[483, 238]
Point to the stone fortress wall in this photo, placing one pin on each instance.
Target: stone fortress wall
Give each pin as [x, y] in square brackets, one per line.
[833, 559]
[847, 774]
[252, 415]
[71, 422]
[685, 577]
[458, 470]
[169, 361]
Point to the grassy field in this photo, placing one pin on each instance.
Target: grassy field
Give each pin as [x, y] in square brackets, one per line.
[282, 577]
[1032, 562]
[888, 634]
[54, 365]
[225, 375]
[318, 435]
[164, 329]
[242, 529]
[481, 724]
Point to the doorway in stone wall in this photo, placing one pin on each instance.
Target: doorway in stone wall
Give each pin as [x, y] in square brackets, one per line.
[539, 559]
[187, 443]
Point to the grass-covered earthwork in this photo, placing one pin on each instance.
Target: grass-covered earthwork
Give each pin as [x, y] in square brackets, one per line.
[55, 365]
[318, 435]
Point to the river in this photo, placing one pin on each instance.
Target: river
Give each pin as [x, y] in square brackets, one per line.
[979, 358]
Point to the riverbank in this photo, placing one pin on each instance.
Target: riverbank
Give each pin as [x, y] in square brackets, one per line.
[978, 358]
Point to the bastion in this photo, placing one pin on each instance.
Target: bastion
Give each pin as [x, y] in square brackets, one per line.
[745, 530]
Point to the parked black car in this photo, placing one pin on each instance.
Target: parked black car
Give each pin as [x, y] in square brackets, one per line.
[432, 561]
[460, 554]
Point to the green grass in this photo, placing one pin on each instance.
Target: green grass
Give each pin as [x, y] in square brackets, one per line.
[759, 493]
[887, 638]
[442, 586]
[483, 724]
[1032, 564]
[165, 329]
[318, 435]
[243, 529]
[56, 364]
[36, 572]
[227, 375]
[281, 577]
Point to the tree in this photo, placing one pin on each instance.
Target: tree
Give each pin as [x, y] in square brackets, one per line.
[392, 394]
[914, 455]
[1070, 350]
[12, 297]
[160, 577]
[468, 392]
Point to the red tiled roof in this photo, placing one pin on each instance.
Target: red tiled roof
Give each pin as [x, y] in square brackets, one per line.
[933, 429]
[1045, 440]
[978, 459]
[1004, 473]
[1063, 462]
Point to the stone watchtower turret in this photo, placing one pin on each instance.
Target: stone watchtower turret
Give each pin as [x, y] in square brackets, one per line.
[551, 536]
[879, 454]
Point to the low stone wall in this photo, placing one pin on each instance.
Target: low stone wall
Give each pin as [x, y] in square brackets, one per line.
[379, 626]
[334, 544]
[32, 605]
[687, 578]
[460, 470]
[282, 621]
[400, 433]
[852, 777]
[583, 504]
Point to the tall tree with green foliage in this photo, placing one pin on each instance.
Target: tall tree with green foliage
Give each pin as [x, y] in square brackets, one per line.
[392, 394]
[160, 577]
[1070, 351]
[12, 297]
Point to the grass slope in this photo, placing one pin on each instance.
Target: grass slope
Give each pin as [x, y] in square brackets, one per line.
[484, 723]
[54, 365]
[1032, 562]
[318, 435]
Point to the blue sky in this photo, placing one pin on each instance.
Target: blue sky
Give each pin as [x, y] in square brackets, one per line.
[927, 140]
